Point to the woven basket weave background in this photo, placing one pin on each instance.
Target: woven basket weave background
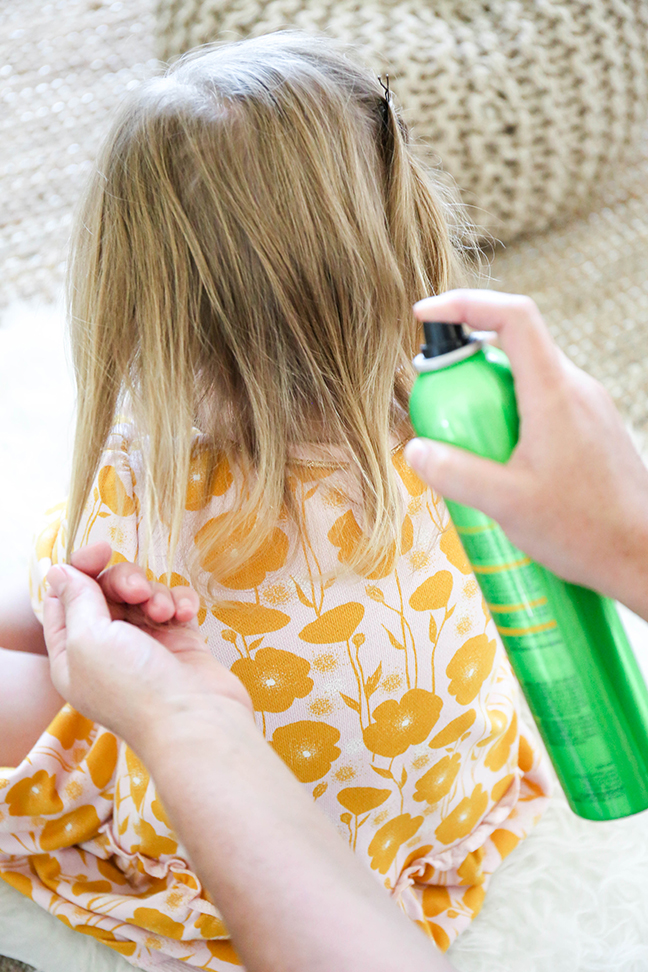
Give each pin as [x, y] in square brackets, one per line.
[531, 105]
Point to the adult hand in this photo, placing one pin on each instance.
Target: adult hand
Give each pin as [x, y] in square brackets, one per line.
[574, 495]
[128, 678]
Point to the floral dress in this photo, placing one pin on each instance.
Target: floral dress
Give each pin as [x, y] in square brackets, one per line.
[389, 696]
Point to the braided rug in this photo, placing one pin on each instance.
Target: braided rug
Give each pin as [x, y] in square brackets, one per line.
[530, 104]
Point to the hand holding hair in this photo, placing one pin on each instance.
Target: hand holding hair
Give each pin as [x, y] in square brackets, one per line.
[123, 676]
[574, 495]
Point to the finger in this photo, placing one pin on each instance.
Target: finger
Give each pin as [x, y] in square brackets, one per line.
[125, 583]
[523, 335]
[55, 639]
[92, 559]
[186, 602]
[83, 602]
[161, 606]
[461, 476]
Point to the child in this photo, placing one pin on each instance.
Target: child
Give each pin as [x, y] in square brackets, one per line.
[241, 287]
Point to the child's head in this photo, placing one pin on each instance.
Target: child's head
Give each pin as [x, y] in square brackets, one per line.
[246, 260]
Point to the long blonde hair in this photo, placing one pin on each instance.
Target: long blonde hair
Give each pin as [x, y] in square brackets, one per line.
[245, 259]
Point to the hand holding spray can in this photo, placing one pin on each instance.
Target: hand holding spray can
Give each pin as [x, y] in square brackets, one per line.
[566, 644]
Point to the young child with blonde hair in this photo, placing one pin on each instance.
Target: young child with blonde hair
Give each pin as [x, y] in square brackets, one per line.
[243, 272]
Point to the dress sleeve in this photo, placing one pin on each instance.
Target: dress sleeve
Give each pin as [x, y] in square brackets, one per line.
[112, 513]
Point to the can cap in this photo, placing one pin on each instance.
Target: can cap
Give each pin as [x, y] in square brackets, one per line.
[441, 338]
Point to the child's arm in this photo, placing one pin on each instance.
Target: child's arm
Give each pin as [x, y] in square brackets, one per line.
[28, 703]
[28, 700]
[20, 630]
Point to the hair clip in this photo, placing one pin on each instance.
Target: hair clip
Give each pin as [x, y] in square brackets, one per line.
[385, 87]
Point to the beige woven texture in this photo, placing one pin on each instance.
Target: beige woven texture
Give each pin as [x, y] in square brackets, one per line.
[64, 65]
[531, 104]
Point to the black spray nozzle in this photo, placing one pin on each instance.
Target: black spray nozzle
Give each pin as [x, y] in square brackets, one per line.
[440, 338]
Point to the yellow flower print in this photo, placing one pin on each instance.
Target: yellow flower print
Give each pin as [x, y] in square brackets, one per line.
[471, 870]
[83, 886]
[419, 560]
[362, 799]
[18, 881]
[335, 625]
[469, 667]
[202, 467]
[154, 921]
[421, 761]
[451, 546]
[436, 900]
[47, 539]
[73, 790]
[274, 678]
[270, 557]
[499, 752]
[386, 841]
[308, 748]
[440, 936]
[326, 662]
[500, 789]
[102, 760]
[69, 725]
[413, 485]
[113, 492]
[464, 817]
[276, 594]
[344, 774]
[474, 898]
[71, 828]
[308, 472]
[453, 731]
[321, 706]
[407, 535]
[433, 593]
[398, 725]
[48, 870]
[347, 535]
[525, 755]
[138, 778]
[224, 950]
[505, 842]
[34, 796]
[392, 682]
[151, 844]
[211, 927]
[111, 871]
[437, 782]
[249, 619]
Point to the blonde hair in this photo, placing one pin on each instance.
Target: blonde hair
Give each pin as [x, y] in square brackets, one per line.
[246, 258]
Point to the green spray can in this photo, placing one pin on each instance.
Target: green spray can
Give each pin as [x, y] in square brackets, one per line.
[566, 644]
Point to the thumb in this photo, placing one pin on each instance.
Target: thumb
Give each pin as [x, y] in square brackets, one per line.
[81, 599]
[460, 476]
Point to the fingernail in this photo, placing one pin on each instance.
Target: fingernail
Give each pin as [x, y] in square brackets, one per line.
[56, 578]
[416, 452]
[136, 583]
[185, 605]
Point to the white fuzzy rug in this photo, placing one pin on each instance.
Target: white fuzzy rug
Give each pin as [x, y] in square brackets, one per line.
[572, 898]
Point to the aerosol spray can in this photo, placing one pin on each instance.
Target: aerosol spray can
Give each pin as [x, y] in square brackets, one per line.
[566, 644]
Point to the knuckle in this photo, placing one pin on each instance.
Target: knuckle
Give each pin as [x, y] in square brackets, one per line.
[526, 305]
